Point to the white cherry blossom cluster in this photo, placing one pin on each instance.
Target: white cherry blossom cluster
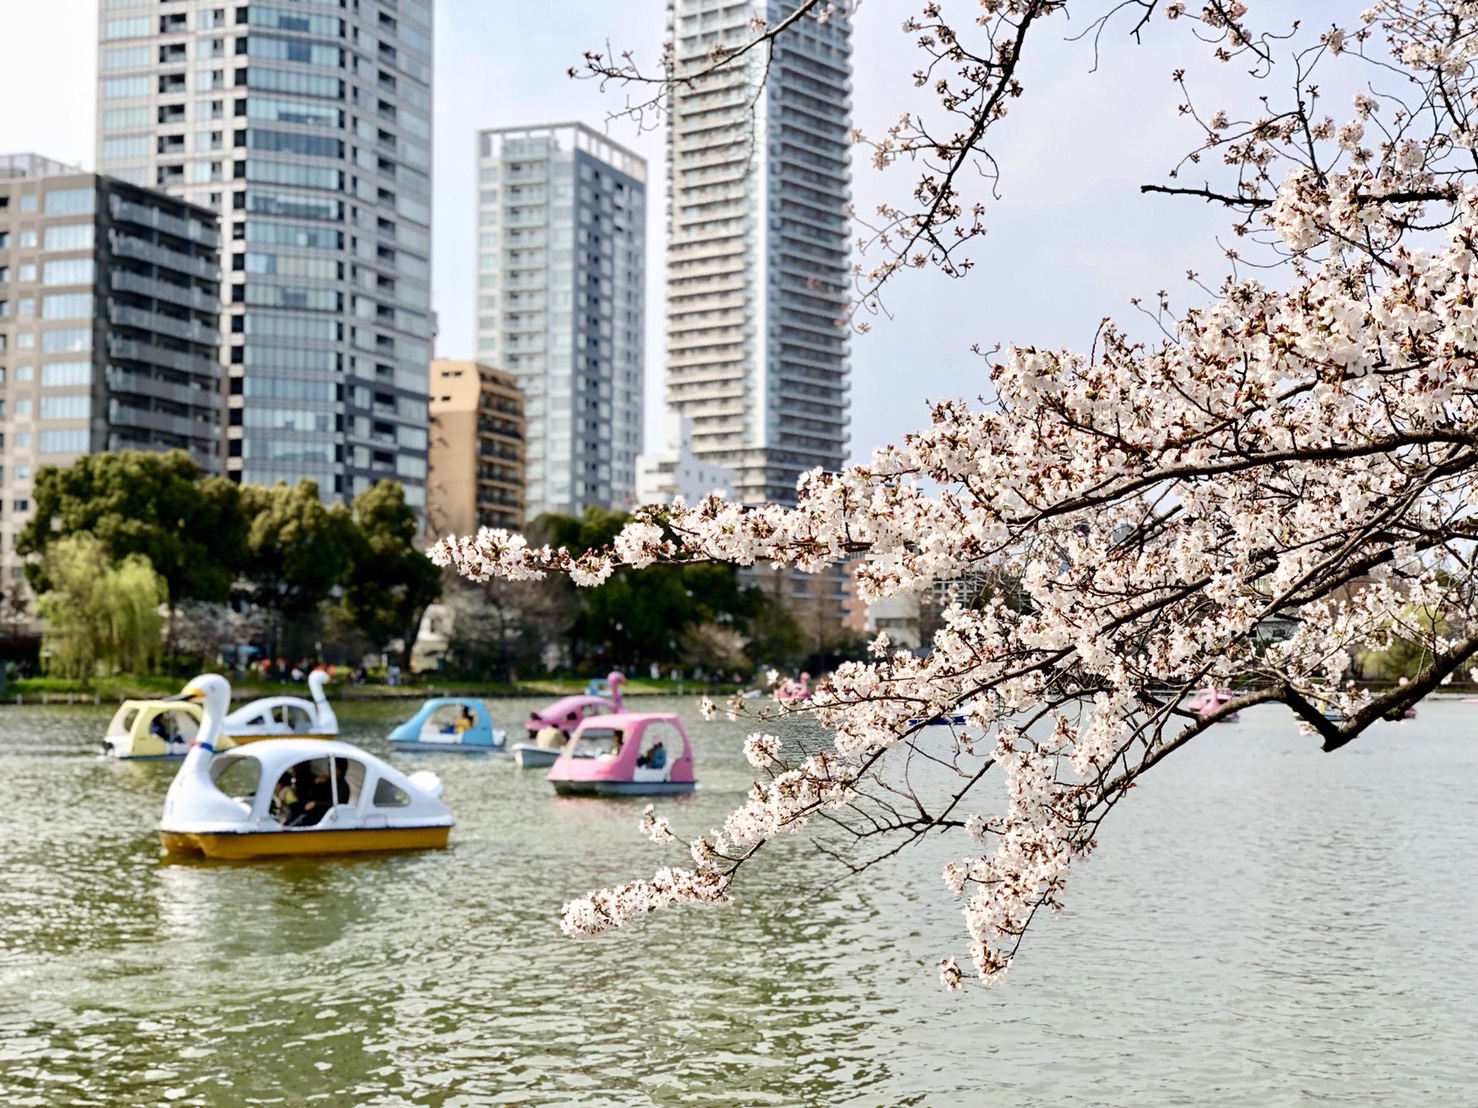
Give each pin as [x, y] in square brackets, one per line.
[1133, 524]
[1302, 453]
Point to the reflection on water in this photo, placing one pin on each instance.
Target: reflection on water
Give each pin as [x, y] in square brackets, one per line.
[1263, 924]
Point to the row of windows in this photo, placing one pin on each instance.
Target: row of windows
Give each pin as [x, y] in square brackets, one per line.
[126, 57]
[281, 141]
[136, 26]
[279, 419]
[289, 357]
[66, 373]
[66, 305]
[72, 406]
[283, 173]
[301, 206]
[125, 88]
[293, 111]
[259, 16]
[267, 325]
[122, 119]
[322, 269]
[290, 388]
[293, 234]
[66, 236]
[305, 84]
[281, 296]
[64, 442]
[126, 146]
[287, 450]
[292, 50]
[56, 202]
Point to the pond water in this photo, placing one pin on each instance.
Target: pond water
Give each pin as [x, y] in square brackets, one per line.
[1262, 924]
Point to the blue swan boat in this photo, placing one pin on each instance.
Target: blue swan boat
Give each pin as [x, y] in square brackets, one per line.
[450, 723]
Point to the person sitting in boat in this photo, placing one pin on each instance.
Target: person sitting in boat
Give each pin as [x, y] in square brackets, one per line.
[613, 746]
[654, 758]
[315, 793]
[158, 728]
[285, 798]
[464, 721]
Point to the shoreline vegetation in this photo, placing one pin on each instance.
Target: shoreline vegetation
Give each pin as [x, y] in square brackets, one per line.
[105, 690]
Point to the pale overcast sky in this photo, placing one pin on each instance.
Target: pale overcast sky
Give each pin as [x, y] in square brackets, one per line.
[1071, 239]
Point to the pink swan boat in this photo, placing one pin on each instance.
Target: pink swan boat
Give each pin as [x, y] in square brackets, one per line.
[567, 712]
[625, 755]
[795, 690]
[1209, 700]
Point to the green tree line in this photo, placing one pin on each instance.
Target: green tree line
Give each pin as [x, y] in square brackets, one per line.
[118, 536]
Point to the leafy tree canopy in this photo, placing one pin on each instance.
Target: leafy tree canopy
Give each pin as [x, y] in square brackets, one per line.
[101, 617]
[157, 505]
[390, 581]
[297, 547]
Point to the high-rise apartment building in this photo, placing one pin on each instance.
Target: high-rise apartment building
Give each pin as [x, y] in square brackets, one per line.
[561, 274]
[307, 125]
[757, 246]
[109, 326]
[477, 449]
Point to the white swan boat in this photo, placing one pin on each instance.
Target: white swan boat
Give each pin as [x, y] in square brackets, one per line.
[276, 717]
[292, 797]
[153, 730]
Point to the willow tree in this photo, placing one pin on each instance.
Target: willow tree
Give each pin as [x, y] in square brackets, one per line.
[101, 617]
[1300, 447]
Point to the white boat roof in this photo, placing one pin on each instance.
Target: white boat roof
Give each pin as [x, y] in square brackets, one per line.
[277, 754]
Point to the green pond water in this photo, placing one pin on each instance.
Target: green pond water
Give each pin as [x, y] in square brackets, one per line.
[1263, 925]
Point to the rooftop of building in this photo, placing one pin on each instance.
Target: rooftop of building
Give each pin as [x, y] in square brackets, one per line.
[33, 165]
[567, 136]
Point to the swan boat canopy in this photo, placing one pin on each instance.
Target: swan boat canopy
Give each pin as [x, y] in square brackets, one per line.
[153, 730]
[625, 755]
[293, 797]
[275, 717]
[459, 724]
[567, 712]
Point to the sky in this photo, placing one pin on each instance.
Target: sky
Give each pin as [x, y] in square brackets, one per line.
[1071, 239]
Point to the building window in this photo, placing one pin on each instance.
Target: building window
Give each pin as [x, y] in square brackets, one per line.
[69, 236]
[59, 340]
[66, 305]
[67, 271]
[68, 201]
[66, 373]
[72, 441]
[76, 406]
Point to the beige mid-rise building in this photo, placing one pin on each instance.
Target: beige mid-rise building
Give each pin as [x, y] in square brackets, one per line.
[476, 451]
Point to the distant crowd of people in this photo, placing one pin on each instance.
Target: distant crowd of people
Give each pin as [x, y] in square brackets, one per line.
[285, 670]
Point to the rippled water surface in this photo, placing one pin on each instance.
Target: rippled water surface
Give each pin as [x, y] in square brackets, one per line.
[1263, 924]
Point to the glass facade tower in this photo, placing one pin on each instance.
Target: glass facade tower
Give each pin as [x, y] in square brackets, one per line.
[307, 125]
[561, 275]
[758, 263]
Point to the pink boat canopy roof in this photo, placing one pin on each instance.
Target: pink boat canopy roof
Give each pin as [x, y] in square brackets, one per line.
[608, 748]
[567, 712]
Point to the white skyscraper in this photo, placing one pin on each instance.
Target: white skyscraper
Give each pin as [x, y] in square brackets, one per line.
[757, 253]
[307, 125]
[561, 276]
